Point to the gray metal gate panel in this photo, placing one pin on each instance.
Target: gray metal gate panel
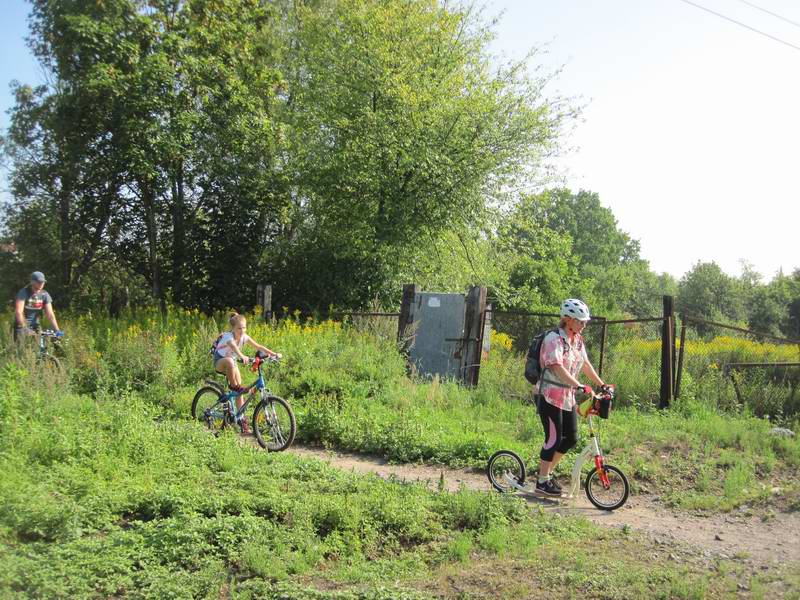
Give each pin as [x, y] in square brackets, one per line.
[439, 329]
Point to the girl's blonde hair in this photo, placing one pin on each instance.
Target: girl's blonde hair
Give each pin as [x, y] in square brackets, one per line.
[236, 319]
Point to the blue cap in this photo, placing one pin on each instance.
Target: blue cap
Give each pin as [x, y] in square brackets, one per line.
[37, 276]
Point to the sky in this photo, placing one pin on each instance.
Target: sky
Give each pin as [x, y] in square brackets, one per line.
[691, 122]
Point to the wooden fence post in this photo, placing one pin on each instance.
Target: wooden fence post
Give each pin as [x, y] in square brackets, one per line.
[681, 352]
[603, 334]
[264, 300]
[667, 353]
[404, 320]
[473, 335]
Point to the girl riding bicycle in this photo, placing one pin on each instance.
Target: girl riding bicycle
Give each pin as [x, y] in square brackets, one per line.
[228, 348]
[563, 354]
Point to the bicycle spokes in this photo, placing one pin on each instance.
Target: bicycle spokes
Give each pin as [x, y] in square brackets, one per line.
[275, 425]
[506, 471]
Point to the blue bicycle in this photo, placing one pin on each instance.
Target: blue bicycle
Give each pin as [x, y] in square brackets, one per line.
[274, 424]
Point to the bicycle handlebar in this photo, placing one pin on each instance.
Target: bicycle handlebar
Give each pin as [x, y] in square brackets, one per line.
[51, 333]
[261, 359]
[600, 402]
[605, 390]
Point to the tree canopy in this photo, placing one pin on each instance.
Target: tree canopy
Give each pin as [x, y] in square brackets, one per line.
[181, 152]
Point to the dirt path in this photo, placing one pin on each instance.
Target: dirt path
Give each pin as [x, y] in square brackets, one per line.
[762, 540]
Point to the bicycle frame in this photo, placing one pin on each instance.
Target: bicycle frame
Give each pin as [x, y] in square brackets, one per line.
[43, 335]
[230, 396]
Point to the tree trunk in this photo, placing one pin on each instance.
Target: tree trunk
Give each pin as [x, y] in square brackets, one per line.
[65, 232]
[112, 190]
[179, 233]
[148, 199]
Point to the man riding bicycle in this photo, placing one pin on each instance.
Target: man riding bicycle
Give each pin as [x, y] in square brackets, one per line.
[30, 303]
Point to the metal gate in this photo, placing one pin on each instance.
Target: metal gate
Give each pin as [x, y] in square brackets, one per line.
[439, 337]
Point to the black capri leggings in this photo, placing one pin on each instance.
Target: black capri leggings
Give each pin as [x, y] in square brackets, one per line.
[560, 429]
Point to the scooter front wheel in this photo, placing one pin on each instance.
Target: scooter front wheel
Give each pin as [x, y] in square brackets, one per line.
[610, 494]
[505, 469]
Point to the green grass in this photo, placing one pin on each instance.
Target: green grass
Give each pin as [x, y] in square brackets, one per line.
[349, 390]
[109, 490]
[105, 497]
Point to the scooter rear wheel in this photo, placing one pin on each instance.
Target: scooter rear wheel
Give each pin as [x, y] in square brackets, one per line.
[505, 469]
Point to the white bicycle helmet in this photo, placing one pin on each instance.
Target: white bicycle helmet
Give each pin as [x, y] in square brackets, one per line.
[576, 309]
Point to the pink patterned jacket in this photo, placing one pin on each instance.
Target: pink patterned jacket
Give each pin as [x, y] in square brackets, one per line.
[556, 350]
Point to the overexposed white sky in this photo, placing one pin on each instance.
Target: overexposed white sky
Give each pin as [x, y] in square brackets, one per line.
[692, 124]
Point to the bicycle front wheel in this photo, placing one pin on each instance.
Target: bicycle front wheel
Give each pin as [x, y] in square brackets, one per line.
[207, 408]
[506, 469]
[50, 363]
[611, 496]
[274, 424]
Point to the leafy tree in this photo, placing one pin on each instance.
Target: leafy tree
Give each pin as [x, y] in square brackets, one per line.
[155, 135]
[542, 269]
[597, 242]
[648, 289]
[708, 293]
[614, 278]
[775, 308]
[180, 145]
[399, 131]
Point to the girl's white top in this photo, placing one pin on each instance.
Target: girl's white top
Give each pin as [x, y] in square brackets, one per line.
[223, 349]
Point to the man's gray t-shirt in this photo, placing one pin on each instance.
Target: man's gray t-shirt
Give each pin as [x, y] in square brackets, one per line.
[34, 305]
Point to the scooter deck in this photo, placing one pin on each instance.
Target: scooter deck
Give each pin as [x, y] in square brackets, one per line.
[528, 489]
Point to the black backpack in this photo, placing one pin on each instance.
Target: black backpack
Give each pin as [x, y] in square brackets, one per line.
[533, 369]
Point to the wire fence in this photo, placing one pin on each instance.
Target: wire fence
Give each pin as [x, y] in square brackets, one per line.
[731, 368]
[625, 353]
[736, 369]
[632, 359]
[382, 325]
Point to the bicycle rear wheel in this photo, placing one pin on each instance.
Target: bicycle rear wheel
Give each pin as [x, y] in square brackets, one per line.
[207, 408]
[505, 469]
[609, 497]
[274, 424]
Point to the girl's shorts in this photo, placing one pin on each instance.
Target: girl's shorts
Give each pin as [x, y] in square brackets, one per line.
[217, 356]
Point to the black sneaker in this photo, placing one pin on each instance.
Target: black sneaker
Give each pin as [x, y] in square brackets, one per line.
[555, 485]
[548, 488]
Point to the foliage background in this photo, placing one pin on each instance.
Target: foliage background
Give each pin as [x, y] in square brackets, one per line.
[336, 149]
